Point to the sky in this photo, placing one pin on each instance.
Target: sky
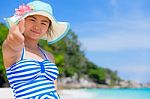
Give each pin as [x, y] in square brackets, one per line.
[114, 33]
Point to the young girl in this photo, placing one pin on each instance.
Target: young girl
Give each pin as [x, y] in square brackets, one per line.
[31, 71]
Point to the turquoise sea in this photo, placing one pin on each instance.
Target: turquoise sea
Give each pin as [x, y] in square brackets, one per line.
[127, 93]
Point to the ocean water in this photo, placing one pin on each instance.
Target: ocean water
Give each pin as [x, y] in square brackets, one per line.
[128, 93]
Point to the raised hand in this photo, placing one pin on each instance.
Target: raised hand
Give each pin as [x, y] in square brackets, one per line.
[15, 38]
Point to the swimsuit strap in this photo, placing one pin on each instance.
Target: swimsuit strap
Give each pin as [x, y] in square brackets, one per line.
[43, 53]
[23, 52]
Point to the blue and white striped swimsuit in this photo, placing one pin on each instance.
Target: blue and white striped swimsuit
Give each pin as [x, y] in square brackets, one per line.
[31, 79]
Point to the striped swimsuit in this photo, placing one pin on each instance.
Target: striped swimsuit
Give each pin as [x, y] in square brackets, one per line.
[32, 79]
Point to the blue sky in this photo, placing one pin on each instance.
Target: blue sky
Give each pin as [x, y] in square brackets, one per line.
[114, 33]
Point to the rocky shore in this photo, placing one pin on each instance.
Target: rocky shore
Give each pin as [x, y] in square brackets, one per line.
[69, 83]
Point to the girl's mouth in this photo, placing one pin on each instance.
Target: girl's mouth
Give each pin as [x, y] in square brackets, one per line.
[36, 32]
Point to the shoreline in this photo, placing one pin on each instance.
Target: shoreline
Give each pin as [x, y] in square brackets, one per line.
[83, 93]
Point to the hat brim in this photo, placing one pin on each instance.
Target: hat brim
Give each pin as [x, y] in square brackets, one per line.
[57, 31]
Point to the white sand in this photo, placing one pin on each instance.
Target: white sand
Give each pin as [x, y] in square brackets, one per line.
[6, 93]
[76, 94]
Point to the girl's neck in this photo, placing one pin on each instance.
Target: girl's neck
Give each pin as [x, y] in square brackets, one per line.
[31, 44]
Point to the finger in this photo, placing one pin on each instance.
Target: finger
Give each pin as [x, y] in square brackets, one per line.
[21, 26]
[12, 37]
[15, 33]
[12, 24]
[15, 40]
[11, 40]
[14, 29]
[19, 38]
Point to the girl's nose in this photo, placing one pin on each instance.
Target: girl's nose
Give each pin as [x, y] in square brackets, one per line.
[37, 26]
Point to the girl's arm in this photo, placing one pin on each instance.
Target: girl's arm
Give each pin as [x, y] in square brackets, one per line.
[12, 46]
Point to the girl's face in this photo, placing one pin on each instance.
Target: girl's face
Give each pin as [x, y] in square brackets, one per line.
[36, 26]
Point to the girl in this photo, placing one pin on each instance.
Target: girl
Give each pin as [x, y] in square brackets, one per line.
[31, 71]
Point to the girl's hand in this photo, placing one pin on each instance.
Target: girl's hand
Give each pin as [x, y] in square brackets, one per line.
[15, 38]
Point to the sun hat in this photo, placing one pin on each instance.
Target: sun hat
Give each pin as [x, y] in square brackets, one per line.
[57, 30]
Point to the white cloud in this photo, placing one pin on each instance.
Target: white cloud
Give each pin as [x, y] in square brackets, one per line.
[117, 42]
[110, 26]
[115, 35]
[141, 69]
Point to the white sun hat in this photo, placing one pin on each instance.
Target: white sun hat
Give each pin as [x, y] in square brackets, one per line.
[57, 29]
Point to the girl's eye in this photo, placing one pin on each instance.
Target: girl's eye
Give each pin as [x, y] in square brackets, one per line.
[44, 24]
[32, 20]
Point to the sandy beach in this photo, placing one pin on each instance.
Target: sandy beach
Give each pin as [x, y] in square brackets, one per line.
[76, 94]
[6, 93]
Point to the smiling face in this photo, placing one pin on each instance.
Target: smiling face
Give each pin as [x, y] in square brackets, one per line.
[36, 26]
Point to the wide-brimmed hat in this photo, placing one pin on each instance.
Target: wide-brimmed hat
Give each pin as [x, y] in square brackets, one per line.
[57, 30]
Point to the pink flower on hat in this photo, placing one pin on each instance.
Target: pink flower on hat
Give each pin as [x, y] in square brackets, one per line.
[22, 10]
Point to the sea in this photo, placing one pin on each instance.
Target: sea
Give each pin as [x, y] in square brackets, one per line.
[120, 93]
